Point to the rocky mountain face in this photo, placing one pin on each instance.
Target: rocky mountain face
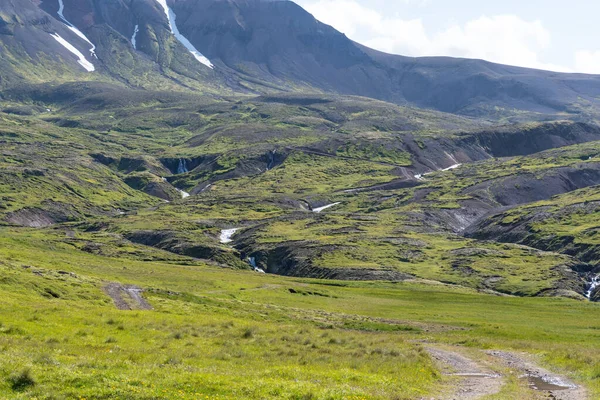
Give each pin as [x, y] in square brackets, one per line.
[259, 46]
[123, 42]
[277, 41]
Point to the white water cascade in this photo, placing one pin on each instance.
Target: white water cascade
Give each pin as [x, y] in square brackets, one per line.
[227, 234]
[182, 167]
[594, 283]
[252, 262]
[184, 195]
[271, 160]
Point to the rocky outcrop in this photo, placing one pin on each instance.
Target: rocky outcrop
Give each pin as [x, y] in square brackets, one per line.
[522, 231]
[528, 187]
[48, 214]
[176, 242]
[153, 185]
[296, 259]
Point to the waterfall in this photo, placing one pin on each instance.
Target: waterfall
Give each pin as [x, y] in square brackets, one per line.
[252, 262]
[594, 283]
[182, 167]
[271, 160]
[227, 234]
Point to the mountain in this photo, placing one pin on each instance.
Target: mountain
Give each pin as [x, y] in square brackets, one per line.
[278, 41]
[56, 41]
[258, 46]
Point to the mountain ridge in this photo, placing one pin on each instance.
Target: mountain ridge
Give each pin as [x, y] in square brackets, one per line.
[262, 47]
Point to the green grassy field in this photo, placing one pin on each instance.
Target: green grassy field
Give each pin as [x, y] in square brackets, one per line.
[224, 334]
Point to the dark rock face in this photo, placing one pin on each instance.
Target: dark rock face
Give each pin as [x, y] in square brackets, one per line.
[527, 188]
[521, 142]
[295, 259]
[120, 17]
[24, 27]
[174, 242]
[6, 27]
[52, 213]
[522, 231]
[278, 42]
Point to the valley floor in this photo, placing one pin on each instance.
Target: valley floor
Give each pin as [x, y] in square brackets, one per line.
[213, 333]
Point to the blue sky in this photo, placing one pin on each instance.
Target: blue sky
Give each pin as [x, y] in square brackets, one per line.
[552, 34]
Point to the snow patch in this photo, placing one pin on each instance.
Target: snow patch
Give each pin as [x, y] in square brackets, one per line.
[450, 168]
[82, 60]
[184, 41]
[184, 195]
[133, 38]
[421, 177]
[61, 9]
[227, 234]
[450, 156]
[320, 209]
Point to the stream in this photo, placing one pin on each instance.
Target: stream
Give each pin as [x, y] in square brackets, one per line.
[227, 235]
[182, 167]
[594, 283]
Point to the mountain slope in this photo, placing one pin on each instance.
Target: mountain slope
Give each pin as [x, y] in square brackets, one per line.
[114, 166]
[277, 41]
[50, 41]
[260, 46]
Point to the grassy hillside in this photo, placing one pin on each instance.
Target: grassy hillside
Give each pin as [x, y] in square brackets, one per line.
[109, 164]
[119, 285]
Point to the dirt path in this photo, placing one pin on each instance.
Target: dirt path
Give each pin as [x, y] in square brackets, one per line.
[558, 387]
[479, 377]
[476, 380]
[127, 297]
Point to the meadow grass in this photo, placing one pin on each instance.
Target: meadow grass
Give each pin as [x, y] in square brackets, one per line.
[223, 334]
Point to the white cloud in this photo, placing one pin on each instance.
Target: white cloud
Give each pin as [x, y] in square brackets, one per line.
[587, 61]
[505, 39]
